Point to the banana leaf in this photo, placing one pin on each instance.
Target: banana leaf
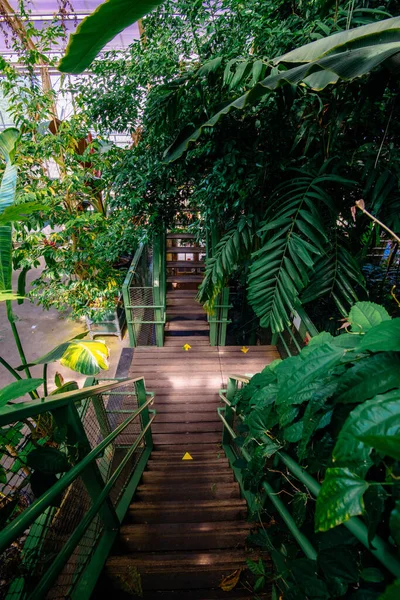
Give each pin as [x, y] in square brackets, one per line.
[343, 56]
[99, 28]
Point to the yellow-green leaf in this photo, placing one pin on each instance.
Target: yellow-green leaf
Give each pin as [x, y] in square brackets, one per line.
[86, 356]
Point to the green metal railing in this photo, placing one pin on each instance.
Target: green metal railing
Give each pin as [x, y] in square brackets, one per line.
[144, 294]
[378, 547]
[55, 544]
[219, 320]
[296, 335]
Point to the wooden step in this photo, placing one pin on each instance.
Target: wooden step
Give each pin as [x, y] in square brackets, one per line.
[169, 339]
[187, 264]
[199, 451]
[187, 477]
[184, 439]
[185, 325]
[181, 293]
[189, 317]
[185, 428]
[188, 417]
[202, 491]
[185, 278]
[186, 250]
[180, 571]
[184, 512]
[177, 537]
[187, 466]
[180, 236]
[239, 593]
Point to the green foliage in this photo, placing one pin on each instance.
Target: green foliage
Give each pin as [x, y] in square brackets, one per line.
[340, 499]
[17, 389]
[321, 63]
[93, 33]
[341, 396]
[230, 252]
[83, 356]
[8, 138]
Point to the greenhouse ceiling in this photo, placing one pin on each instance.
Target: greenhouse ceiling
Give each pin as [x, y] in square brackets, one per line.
[70, 14]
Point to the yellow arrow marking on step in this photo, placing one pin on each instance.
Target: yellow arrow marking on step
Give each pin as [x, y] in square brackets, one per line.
[187, 456]
[186, 347]
[244, 349]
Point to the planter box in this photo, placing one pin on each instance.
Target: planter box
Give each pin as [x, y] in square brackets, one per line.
[112, 323]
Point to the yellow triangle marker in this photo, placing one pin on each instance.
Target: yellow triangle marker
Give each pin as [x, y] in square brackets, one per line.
[244, 349]
[186, 347]
[187, 456]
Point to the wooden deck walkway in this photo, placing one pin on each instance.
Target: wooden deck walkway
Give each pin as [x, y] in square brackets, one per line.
[186, 529]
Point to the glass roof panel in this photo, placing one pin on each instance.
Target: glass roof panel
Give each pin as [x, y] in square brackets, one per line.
[42, 12]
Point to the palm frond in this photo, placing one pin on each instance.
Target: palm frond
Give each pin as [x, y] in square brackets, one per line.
[233, 246]
[293, 241]
[335, 275]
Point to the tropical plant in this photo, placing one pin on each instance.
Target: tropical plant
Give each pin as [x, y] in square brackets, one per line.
[107, 21]
[63, 188]
[345, 56]
[334, 408]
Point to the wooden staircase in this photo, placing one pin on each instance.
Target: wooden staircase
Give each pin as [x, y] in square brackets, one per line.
[186, 528]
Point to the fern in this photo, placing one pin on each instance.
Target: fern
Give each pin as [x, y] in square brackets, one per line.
[233, 246]
[293, 240]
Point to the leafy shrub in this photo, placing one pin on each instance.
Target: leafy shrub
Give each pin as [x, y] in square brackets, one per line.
[335, 408]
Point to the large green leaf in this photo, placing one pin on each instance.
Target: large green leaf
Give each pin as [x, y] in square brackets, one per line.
[87, 357]
[383, 337]
[363, 316]
[17, 389]
[48, 460]
[20, 212]
[337, 57]
[316, 363]
[379, 416]
[380, 32]
[340, 498]
[387, 445]
[8, 138]
[94, 32]
[374, 375]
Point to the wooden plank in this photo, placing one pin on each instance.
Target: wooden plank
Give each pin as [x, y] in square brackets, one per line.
[182, 512]
[186, 439]
[188, 417]
[180, 236]
[151, 492]
[184, 278]
[186, 428]
[186, 250]
[190, 264]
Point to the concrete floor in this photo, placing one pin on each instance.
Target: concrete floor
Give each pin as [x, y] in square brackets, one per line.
[40, 331]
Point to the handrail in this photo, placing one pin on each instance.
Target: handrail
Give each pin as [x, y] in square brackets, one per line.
[23, 410]
[75, 538]
[101, 471]
[378, 547]
[22, 522]
[136, 312]
[304, 327]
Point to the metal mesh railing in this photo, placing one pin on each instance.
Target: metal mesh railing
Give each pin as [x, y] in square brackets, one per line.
[144, 296]
[61, 538]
